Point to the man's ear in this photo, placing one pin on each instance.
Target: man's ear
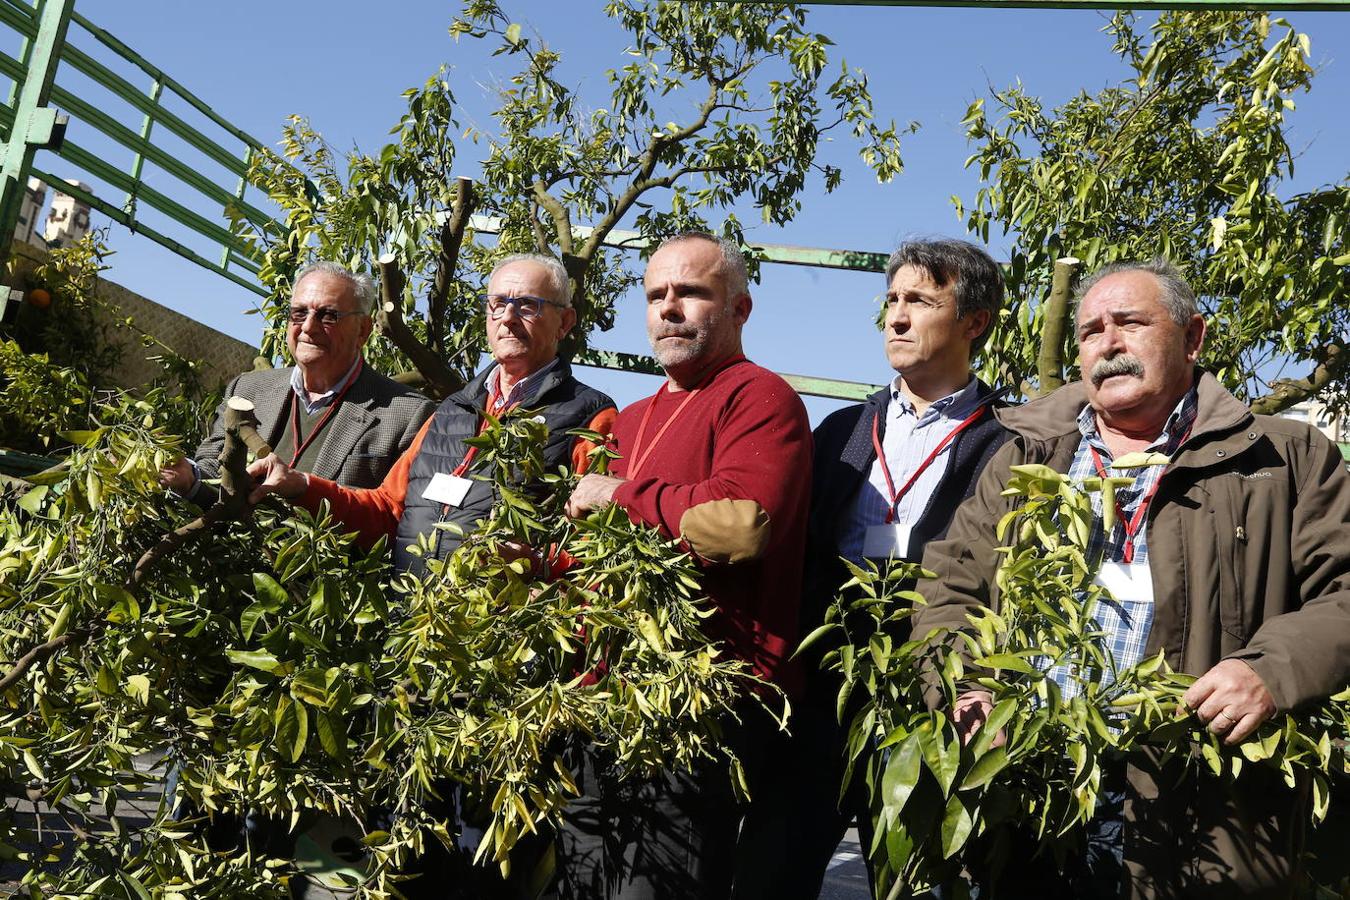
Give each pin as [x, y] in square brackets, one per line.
[740, 308]
[367, 327]
[569, 321]
[1195, 337]
[977, 323]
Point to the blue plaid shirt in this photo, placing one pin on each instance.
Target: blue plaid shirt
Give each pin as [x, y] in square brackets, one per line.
[1125, 623]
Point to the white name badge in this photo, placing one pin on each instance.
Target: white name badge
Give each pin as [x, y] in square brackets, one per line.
[882, 541]
[447, 489]
[1127, 581]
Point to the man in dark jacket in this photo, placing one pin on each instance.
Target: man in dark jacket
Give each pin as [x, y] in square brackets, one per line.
[888, 475]
[1233, 560]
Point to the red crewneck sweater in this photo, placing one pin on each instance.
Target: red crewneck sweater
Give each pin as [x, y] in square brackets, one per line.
[744, 436]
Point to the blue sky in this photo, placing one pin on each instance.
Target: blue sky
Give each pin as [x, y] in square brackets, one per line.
[344, 64]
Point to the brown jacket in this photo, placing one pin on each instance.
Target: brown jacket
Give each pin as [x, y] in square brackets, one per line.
[1249, 549]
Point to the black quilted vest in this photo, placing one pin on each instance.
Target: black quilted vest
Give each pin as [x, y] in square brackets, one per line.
[564, 402]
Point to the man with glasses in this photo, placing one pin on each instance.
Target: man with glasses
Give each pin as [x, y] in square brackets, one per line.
[331, 414]
[528, 309]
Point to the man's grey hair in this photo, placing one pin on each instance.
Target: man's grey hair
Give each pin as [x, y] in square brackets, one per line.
[1177, 295]
[557, 273]
[976, 280]
[362, 285]
[733, 260]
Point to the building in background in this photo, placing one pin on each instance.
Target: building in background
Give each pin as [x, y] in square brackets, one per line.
[1315, 413]
[34, 199]
[68, 219]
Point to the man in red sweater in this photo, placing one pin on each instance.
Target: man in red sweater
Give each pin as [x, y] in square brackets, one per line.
[720, 457]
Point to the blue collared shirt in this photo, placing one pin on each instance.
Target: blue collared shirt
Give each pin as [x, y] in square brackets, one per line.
[1125, 623]
[908, 441]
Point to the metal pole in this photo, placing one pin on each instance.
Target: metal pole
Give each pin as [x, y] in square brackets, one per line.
[35, 124]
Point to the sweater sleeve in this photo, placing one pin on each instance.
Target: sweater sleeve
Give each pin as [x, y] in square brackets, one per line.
[761, 467]
[603, 423]
[371, 512]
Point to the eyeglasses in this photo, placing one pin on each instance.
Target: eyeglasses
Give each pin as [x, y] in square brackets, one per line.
[325, 314]
[526, 307]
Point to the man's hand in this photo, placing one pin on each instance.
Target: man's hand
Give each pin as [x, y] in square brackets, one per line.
[178, 476]
[969, 713]
[1231, 699]
[275, 477]
[592, 492]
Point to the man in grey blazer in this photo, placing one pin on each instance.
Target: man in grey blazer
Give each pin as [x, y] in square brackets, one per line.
[331, 414]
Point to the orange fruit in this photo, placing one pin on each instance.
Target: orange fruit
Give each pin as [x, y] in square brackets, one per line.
[40, 297]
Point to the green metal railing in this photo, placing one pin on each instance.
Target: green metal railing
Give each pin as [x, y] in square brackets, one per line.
[30, 123]
[46, 54]
[37, 75]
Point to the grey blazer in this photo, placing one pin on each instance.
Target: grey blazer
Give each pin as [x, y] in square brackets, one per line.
[376, 422]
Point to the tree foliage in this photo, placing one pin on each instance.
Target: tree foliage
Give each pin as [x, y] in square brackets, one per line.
[1186, 158]
[721, 106]
[275, 668]
[933, 796]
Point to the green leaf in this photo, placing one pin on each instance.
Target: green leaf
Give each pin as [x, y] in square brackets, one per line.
[985, 768]
[271, 596]
[943, 758]
[901, 775]
[138, 686]
[956, 826]
[31, 502]
[257, 659]
[513, 34]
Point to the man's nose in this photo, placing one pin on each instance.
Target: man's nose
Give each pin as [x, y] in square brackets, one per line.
[670, 307]
[897, 315]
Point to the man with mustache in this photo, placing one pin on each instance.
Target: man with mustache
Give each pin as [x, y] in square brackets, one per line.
[1233, 559]
[719, 457]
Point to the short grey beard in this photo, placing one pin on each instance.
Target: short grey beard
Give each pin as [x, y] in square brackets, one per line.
[1124, 364]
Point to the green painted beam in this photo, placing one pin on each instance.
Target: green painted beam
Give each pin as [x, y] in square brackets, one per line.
[786, 254]
[802, 384]
[120, 216]
[34, 121]
[1228, 5]
[12, 462]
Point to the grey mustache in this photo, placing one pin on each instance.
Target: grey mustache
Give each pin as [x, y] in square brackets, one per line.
[1124, 364]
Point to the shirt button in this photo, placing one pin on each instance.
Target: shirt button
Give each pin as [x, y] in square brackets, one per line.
[1251, 435]
[1220, 453]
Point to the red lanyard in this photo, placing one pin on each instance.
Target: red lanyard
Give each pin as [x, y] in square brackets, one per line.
[301, 446]
[1135, 522]
[640, 456]
[640, 453]
[886, 470]
[496, 406]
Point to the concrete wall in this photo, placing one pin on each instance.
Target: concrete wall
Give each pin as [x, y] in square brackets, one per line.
[219, 356]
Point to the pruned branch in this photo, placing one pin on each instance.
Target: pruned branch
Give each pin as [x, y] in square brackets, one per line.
[1289, 391]
[562, 219]
[1058, 312]
[40, 654]
[452, 237]
[241, 436]
[440, 378]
